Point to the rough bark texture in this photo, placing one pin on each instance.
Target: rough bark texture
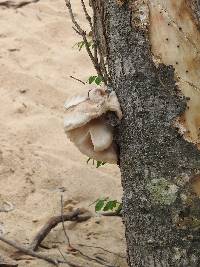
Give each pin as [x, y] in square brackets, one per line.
[160, 169]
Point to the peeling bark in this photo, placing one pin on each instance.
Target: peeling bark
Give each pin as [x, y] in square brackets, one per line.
[176, 42]
[154, 69]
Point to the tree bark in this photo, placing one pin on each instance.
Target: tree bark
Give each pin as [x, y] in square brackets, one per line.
[153, 53]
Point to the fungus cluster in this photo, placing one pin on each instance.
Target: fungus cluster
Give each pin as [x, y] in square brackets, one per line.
[86, 127]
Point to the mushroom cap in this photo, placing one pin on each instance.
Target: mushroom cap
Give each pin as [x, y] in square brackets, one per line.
[85, 125]
[82, 109]
[95, 139]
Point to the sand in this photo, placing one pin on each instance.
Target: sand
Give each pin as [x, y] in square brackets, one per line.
[37, 161]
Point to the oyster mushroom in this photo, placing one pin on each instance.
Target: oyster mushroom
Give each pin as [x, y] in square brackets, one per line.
[86, 127]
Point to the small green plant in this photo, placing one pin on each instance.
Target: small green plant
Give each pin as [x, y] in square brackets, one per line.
[107, 204]
[95, 79]
[98, 163]
[81, 44]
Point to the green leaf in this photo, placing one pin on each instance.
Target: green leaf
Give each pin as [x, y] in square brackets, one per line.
[100, 163]
[98, 80]
[99, 204]
[119, 208]
[110, 205]
[81, 44]
[91, 79]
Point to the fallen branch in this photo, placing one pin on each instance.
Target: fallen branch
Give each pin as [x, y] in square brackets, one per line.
[63, 222]
[32, 253]
[76, 215]
[69, 243]
[28, 251]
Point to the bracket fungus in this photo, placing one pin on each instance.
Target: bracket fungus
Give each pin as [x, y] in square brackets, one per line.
[85, 123]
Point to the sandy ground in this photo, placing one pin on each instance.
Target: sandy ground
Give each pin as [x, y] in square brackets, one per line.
[37, 162]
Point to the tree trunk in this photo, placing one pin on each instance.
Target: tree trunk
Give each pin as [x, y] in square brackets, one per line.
[153, 53]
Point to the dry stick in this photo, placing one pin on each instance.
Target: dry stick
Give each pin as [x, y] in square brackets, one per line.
[36, 254]
[29, 251]
[99, 16]
[92, 26]
[94, 35]
[63, 222]
[86, 14]
[68, 240]
[66, 261]
[81, 32]
[77, 79]
[61, 254]
[76, 215]
[52, 222]
[71, 216]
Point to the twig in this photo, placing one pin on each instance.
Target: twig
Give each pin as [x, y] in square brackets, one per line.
[69, 244]
[63, 222]
[81, 32]
[66, 261]
[86, 14]
[98, 16]
[62, 254]
[77, 79]
[29, 251]
[52, 223]
[36, 254]
[94, 35]
[94, 259]
[92, 26]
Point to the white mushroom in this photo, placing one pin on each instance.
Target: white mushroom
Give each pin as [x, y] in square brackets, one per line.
[85, 124]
